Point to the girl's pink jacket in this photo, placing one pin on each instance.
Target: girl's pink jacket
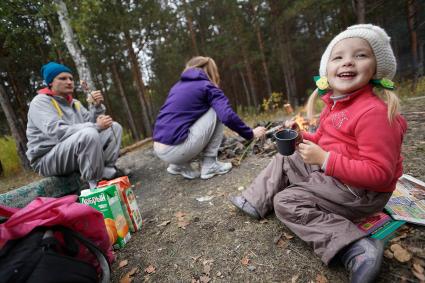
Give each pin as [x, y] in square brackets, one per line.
[364, 147]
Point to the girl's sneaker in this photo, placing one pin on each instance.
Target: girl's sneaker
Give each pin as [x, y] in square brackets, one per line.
[216, 168]
[241, 203]
[185, 170]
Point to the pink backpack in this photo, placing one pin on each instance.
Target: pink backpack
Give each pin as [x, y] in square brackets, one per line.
[65, 211]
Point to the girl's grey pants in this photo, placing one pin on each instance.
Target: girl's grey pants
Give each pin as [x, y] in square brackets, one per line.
[205, 137]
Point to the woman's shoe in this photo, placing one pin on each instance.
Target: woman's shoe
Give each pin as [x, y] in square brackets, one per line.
[216, 168]
[185, 170]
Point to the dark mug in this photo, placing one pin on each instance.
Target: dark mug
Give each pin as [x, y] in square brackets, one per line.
[285, 140]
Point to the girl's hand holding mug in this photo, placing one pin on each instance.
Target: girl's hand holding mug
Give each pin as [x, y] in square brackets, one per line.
[312, 153]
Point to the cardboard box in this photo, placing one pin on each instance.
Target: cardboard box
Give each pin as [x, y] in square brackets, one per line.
[107, 201]
[128, 201]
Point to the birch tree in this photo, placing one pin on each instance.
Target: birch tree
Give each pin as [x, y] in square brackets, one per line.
[80, 60]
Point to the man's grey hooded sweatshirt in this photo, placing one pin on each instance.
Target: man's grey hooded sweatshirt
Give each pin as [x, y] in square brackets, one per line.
[52, 119]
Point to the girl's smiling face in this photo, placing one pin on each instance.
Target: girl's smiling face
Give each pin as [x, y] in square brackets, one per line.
[351, 65]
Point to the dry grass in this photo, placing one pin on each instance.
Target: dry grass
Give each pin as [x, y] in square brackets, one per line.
[17, 180]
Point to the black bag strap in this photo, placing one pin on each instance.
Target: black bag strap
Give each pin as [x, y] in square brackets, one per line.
[100, 256]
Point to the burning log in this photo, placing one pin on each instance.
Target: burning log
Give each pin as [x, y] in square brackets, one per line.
[236, 148]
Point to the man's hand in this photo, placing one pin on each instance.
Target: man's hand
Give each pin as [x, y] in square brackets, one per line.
[95, 97]
[259, 132]
[312, 153]
[104, 121]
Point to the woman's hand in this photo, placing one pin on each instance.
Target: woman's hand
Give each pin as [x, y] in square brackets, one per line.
[104, 121]
[96, 97]
[312, 153]
[259, 132]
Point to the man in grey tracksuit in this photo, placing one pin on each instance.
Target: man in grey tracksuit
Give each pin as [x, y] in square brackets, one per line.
[65, 137]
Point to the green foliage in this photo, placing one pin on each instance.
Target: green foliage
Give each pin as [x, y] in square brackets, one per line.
[127, 139]
[404, 88]
[8, 156]
[273, 102]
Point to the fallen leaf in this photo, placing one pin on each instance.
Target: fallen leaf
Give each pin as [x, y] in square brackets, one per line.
[420, 276]
[204, 279]
[179, 214]
[245, 260]
[294, 278]
[182, 224]
[122, 263]
[126, 278]
[207, 261]
[195, 280]
[281, 243]
[397, 239]
[388, 254]
[195, 258]
[401, 254]
[204, 198]
[150, 269]
[288, 236]
[418, 268]
[264, 221]
[251, 267]
[133, 271]
[320, 278]
[164, 223]
[218, 274]
[207, 269]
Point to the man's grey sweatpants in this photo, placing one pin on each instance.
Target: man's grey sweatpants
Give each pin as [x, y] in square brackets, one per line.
[205, 136]
[87, 151]
[317, 208]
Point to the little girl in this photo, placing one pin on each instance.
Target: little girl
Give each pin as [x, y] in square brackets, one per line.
[191, 122]
[349, 168]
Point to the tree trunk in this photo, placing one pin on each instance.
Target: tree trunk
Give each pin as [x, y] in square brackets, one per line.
[360, 8]
[137, 76]
[411, 21]
[245, 87]
[262, 54]
[20, 138]
[121, 92]
[250, 76]
[80, 60]
[189, 22]
[263, 62]
[281, 30]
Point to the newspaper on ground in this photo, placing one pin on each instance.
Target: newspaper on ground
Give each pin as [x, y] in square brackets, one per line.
[408, 200]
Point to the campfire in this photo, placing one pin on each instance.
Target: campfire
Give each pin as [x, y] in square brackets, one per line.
[236, 148]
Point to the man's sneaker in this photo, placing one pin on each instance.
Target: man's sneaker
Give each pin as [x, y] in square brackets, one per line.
[241, 203]
[216, 168]
[185, 170]
[363, 259]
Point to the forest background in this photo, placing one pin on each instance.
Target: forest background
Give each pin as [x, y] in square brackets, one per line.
[267, 52]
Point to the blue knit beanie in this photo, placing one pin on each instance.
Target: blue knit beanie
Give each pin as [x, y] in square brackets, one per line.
[51, 70]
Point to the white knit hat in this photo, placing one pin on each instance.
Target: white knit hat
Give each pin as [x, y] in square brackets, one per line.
[378, 39]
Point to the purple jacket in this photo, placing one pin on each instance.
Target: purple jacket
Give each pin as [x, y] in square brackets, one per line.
[187, 101]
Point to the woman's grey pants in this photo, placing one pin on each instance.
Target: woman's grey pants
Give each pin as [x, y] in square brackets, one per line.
[205, 136]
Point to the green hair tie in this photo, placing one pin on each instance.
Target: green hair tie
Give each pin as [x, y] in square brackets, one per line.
[321, 84]
[383, 83]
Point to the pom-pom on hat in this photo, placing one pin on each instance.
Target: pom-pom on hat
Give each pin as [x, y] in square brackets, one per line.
[377, 38]
[51, 70]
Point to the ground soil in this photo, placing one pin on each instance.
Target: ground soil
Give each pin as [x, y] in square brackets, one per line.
[218, 243]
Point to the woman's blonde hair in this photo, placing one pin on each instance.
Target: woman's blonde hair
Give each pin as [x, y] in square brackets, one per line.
[392, 100]
[208, 65]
